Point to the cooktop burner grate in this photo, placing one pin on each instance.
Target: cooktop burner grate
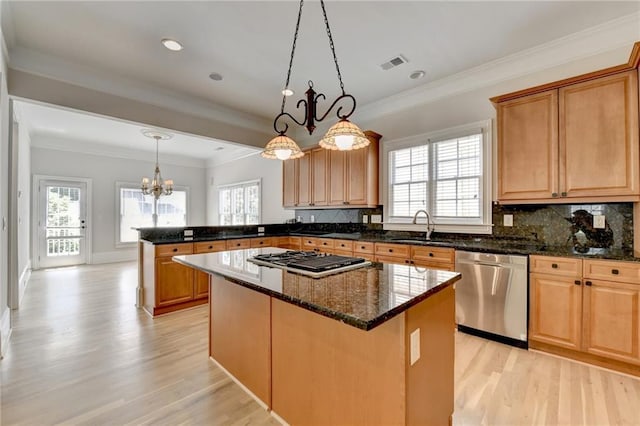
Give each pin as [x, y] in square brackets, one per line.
[309, 262]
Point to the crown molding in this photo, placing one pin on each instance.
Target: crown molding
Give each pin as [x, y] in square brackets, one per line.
[237, 155]
[616, 34]
[47, 141]
[49, 66]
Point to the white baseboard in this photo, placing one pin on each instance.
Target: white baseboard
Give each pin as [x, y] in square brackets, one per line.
[114, 256]
[5, 331]
[23, 281]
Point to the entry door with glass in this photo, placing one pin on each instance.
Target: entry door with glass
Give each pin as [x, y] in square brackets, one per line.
[62, 223]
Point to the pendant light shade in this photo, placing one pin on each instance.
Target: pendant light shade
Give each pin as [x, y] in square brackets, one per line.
[282, 147]
[344, 136]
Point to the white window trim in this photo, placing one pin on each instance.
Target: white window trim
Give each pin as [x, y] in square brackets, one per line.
[486, 226]
[231, 185]
[130, 185]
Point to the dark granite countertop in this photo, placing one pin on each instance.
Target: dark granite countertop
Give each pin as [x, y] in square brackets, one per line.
[476, 244]
[364, 297]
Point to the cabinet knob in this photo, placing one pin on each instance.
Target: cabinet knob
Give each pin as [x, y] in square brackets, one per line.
[175, 250]
[564, 194]
[554, 265]
[430, 254]
[210, 247]
[588, 283]
[553, 194]
[362, 247]
[345, 202]
[390, 250]
[577, 282]
[407, 261]
[615, 271]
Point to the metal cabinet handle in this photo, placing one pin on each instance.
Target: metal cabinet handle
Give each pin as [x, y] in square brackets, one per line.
[553, 194]
[210, 247]
[407, 261]
[390, 250]
[554, 265]
[430, 254]
[577, 282]
[564, 194]
[615, 271]
[588, 283]
[362, 247]
[175, 250]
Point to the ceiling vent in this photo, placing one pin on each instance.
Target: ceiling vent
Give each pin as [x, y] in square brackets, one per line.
[394, 62]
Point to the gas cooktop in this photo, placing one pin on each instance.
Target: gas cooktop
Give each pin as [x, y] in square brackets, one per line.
[309, 262]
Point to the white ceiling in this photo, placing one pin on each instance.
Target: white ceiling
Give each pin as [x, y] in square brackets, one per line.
[249, 42]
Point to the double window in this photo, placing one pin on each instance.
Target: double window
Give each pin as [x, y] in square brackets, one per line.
[239, 204]
[446, 174]
[136, 210]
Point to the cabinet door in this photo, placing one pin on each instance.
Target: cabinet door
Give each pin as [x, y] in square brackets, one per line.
[599, 137]
[290, 183]
[612, 320]
[320, 179]
[337, 178]
[201, 285]
[174, 282]
[357, 177]
[304, 180]
[528, 147]
[555, 311]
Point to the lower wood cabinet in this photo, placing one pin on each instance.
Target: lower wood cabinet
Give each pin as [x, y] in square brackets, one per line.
[174, 282]
[574, 312]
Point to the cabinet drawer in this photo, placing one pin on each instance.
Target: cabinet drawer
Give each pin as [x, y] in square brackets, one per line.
[173, 249]
[392, 259]
[326, 243]
[343, 245]
[564, 266]
[238, 243]
[262, 242]
[363, 247]
[309, 243]
[628, 272]
[395, 250]
[295, 243]
[347, 253]
[432, 254]
[209, 246]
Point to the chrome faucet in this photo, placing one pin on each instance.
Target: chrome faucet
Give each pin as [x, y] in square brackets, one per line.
[429, 224]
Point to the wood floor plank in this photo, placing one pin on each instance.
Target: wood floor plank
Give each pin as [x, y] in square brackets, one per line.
[82, 354]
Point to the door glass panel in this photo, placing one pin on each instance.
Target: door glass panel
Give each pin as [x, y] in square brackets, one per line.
[63, 221]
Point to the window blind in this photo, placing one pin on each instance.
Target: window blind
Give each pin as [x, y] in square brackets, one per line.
[443, 177]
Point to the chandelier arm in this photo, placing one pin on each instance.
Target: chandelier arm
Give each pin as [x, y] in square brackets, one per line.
[293, 51]
[333, 50]
[341, 116]
[286, 114]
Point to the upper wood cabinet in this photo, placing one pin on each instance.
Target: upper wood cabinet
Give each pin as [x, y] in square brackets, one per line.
[324, 178]
[578, 142]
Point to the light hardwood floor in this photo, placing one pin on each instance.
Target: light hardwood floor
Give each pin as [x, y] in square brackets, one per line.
[81, 353]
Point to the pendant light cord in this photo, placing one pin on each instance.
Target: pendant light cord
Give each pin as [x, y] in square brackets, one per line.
[331, 45]
[293, 51]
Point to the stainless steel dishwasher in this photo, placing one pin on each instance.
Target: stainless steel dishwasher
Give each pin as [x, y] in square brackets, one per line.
[491, 297]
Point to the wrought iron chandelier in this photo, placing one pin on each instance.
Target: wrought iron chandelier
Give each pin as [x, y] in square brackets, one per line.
[157, 186]
[344, 135]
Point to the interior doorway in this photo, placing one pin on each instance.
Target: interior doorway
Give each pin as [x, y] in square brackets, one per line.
[63, 235]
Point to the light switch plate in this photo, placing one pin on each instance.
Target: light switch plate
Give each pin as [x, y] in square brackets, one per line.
[376, 218]
[415, 346]
[507, 220]
[365, 218]
[599, 221]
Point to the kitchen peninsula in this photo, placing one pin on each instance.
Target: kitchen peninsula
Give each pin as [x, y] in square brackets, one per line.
[373, 345]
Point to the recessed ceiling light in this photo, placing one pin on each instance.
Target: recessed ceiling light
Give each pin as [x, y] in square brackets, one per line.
[172, 44]
[220, 148]
[215, 76]
[287, 92]
[416, 75]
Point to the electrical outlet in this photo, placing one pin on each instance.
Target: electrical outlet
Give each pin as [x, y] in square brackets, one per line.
[507, 220]
[599, 221]
[415, 346]
[365, 218]
[313, 218]
[376, 218]
[260, 229]
[188, 232]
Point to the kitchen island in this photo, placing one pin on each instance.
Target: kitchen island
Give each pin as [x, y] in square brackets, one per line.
[373, 345]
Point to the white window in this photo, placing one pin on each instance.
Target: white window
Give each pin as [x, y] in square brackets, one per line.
[445, 173]
[136, 210]
[239, 204]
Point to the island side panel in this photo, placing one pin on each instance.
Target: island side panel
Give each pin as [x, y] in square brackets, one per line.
[148, 277]
[325, 372]
[240, 335]
[430, 380]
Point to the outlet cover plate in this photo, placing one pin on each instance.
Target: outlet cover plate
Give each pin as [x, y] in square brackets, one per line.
[507, 220]
[599, 221]
[376, 218]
